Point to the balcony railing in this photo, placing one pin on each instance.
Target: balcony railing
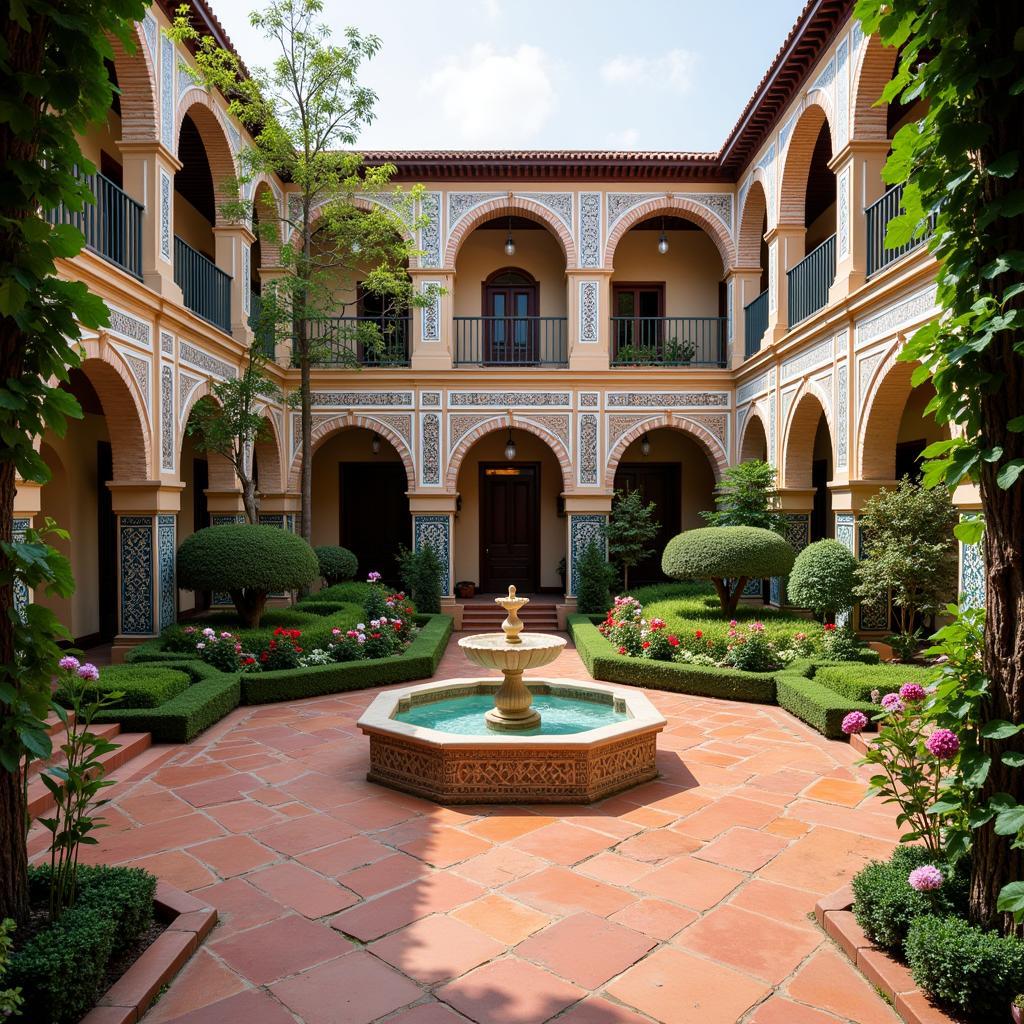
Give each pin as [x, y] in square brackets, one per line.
[755, 323]
[510, 341]
[112, 225]
[360, 340]
[668, 341]
[878, 215]
[809, 281]
[205, 288]
[263, 333]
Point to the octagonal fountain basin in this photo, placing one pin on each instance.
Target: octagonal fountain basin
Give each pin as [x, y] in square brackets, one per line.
[435, 740]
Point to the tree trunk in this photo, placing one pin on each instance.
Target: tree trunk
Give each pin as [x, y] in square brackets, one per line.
[306, 476]
[729, 599]
[249, 503]
[249, 604]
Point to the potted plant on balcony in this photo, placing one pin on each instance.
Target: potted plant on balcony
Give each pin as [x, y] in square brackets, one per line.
[678, 353]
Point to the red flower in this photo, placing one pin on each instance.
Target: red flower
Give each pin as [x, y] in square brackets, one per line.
[376, 636]
[829, 626]
[698, 634]
[646, 644]
[673, 641]
[622, 650]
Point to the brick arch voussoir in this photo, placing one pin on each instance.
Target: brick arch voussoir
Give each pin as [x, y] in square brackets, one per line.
[751, 219]
[221, 472]
[673, 205]
[335, 425]
[710, 444]
[268, 452]
[796, 159]
[270, 250]
[760, 414]
[496, 423]
[809, 404]
[512, 206]
[137, 81]
[879, 417]
[209, 120]
[874, 70]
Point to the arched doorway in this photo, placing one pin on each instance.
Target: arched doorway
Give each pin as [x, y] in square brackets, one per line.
[808, 463]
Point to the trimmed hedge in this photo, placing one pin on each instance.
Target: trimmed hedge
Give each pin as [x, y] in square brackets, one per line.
[337, 564]
[726, 552]
[418, 662]
[142, 687]
[211, 696]
[813, 702]
[857, 681]
[354, 592]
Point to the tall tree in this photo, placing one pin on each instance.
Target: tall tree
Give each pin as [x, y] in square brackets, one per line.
[632, 526]
[961, 163]
[746, 496]
[53, 85]
[342, 218]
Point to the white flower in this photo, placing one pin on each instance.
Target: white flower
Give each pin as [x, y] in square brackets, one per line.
[199, 647]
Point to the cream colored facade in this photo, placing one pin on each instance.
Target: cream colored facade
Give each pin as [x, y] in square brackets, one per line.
[826, 394]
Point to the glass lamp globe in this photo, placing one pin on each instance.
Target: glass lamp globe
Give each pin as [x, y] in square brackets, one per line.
[663, 244]
[510, 448]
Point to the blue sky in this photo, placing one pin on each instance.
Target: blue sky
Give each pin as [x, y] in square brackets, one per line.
[553, 74]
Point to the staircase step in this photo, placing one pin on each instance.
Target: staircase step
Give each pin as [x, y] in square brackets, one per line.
[59, 737]
[54, 725]
[40, 800]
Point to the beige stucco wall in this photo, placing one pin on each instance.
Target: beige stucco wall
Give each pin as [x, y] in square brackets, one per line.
[691, 269]
[191, 226]
[467, 523]
[914, 424]
[103, 137]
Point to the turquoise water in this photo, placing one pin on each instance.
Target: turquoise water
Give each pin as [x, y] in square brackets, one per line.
[559, 716]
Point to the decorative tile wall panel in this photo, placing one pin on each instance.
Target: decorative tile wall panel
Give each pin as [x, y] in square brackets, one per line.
[584, 529]
[136, 568]
[434, 531]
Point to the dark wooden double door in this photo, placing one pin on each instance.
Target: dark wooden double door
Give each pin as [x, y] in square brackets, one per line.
[509, 526]
[659, 482]
[374, 515]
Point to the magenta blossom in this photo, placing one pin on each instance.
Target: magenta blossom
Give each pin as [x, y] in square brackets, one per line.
[943, 744]
[892, 702]
[855, 721]
[88, 671]
[926, 878]
[373, 577]
[68, 663]
[912, 692]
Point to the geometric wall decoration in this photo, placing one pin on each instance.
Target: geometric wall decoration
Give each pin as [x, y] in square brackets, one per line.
[167, 92]
[972, 576]
[135, 544]
[435, 531]
[167, 418]
[584, 529]
[589, 329]
[19, 528]
[588, 475]
[167, 584]
[430, 445]
[430, 232]
[589, 245]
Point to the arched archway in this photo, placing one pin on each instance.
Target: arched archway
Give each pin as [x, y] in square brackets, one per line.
[267, 459]
[208, 121]
[515, 422]
[266, 250]
[812, 126]
[870, 122]
[136, 79]
[754, 444]
[751, 248]
[711, 445]
[809, 456]
[507, 205]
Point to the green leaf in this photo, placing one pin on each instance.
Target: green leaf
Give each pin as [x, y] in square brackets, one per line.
[1011, 899]
[1010, 821]
[1009, 473]
[1012, 759]
[1000, 729]
[969, 531]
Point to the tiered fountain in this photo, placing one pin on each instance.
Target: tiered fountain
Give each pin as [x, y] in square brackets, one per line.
[538, 740]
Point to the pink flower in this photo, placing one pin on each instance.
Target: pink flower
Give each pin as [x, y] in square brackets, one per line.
[855, 721]
[373, 577]
[926, 878]
[733, 623]
[943, 744]
[912, 692]
[622, 650]
[68, 663]
[757, 627]
[892, 702]
[89, 671]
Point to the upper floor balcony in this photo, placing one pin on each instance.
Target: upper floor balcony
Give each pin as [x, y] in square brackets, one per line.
[878, 215]
[668, 341]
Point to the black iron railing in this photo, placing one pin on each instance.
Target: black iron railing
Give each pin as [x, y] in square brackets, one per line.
[668, 341]
[510, 341]
[112, 225]
[205, 288]
[809, 281]
[878, 215]
[755, 323]
[360, 340]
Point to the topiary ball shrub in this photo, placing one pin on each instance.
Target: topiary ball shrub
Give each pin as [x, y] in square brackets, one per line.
[593, 593]
[337, 564]
[885, 905]
[247, 561]
[965, 968]
[728, 556]
[823, 578]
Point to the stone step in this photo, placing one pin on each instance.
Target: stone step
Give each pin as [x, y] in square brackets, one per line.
[59, 736]
[132, 744]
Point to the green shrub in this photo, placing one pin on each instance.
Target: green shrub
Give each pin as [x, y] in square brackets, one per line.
[812, 702]
[142, 687]
[315, 628]
[249, 562]
[593, 594]
[823, 578]
[353, 592]
[857, 681]
[885, 905]
[421, 573]
[728, 556]
[337, 564]
[965, 968]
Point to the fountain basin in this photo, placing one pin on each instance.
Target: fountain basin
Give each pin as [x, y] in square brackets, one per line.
[511, 767]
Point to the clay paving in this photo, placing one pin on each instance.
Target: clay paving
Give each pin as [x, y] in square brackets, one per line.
[688, 899]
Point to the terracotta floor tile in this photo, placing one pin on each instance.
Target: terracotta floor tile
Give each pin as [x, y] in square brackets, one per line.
[302, 890]
[243, 815]
[202, 981]
[657, 845]
[601, 1011]
[657, 918]
[436, 948]
[428, 1013]
[560, 891]
[442, 847]
[499, 865]
[837, 791]
[823, 859]
[585, 949]
[510, 991]
[282, 947]
[239, 905]
[724, 814]
[179, 868]
[744, 849]
[251, 1006]
[562, 843]
[304, 834]
[778, 902]
[499, 828]
[387, 873]
[349, 854]
[353, 989]
[788, 828]
[501, 918]
[673, 986]
[234, 855]
[610, 867]
[160, 805]
[694, 883]
[753, 944]
[778, 1010]
[377, 812]
[218, 791]
[828, 981]
[181, 775]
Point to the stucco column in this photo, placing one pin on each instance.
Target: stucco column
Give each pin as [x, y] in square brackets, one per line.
[588, 328]
[858, 170]
[586, 518]
[785, 251]
[233, 248]
[971, 577]
[433, 525]
[743, 285]
[432, 338]
[149, 170]
[147, 527]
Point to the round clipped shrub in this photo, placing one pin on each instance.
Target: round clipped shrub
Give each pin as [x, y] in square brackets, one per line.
[728, 556]
[248, 562]
[337, 564]
[965, 968]
[823, 578]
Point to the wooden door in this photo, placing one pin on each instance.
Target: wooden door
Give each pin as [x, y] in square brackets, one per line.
[658, 482]
[637, 319]
[509, 526]
[374, 515]
[510, 304]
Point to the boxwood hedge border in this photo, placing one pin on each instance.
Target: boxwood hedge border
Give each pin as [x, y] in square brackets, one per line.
[793, 687]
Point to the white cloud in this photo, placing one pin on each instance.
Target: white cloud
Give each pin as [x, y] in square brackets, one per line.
[492, 8]
[487, 98]
[673, 70]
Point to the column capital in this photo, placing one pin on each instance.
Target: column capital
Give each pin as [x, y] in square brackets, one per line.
[28, 499]
[796, 499]
[859, 147]
[227, 502]
[150, 148]
[145, 497]
[784, 230]
[240, 231]
[852, 495]
[278, 503]
[424, 503]
[596, 502]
